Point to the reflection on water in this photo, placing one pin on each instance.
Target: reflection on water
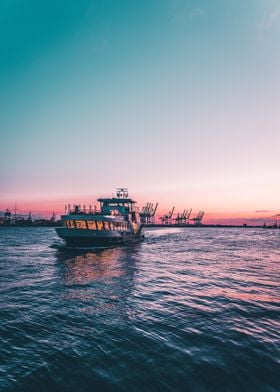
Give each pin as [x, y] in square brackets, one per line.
[83, 267]
[98, 280]
[194, 309]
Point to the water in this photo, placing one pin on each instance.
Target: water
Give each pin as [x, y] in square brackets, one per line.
[185, 310]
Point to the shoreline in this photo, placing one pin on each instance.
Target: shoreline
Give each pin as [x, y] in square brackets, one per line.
[155, 225]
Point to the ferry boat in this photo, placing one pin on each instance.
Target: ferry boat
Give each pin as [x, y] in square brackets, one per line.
[117, 222]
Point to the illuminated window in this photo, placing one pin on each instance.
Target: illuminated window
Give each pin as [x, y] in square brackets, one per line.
[91, 225]
[106, 226]
[70, 224]
[99, 225]
[124, 226]
[81, 224]
[121, 226]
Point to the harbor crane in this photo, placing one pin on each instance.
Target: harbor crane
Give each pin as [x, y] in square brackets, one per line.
[167, 219]
[187, 217]
[179, 220]
[184, 218]
[198, 219]
[152, 217]
[147, 214]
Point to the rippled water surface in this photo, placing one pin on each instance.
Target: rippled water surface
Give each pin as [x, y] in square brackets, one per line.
[185, 310]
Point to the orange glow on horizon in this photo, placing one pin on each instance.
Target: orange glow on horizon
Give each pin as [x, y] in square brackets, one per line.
[45, 208]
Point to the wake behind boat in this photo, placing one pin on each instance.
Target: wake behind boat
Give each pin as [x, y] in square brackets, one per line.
[117, 222]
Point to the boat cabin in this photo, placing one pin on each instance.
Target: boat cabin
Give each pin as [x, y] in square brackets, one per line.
[115, 214]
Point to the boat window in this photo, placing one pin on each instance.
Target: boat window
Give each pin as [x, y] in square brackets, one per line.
[122, 226]
[99, 225]
[80, 224]
[91, 225]
[70, 224]
[106, 226]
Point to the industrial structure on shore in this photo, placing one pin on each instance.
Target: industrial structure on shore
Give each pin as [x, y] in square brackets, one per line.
[148, 212]
[25, 220]
[147, 215]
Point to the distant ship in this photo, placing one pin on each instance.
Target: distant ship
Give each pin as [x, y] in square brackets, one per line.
[117, 222]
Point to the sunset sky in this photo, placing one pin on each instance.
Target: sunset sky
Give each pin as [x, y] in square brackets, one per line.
[179, 100]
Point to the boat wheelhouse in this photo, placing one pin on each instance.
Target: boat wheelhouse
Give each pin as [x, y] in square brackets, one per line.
[116, 222]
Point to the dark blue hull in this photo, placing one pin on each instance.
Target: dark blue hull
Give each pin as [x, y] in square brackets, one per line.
[101, 241]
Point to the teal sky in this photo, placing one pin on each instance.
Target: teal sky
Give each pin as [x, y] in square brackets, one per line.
[178, 100]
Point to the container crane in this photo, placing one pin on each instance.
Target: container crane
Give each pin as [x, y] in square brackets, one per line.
[147, 214]
[198, 219]
[179, 220]
[167, 219]
[187, 217]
